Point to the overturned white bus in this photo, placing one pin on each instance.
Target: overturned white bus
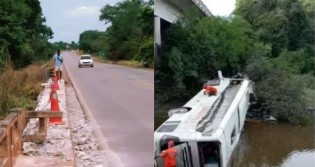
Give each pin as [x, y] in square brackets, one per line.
[207, 128]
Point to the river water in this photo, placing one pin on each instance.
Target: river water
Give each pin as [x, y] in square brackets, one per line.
[267, 144]
[264, 144]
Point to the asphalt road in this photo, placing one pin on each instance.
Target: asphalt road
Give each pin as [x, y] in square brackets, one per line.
[121, 101]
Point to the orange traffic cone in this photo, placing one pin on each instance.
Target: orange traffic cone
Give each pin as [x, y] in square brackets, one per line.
[55, 77]
[55, 86]
[55, 83]
[55, 108]
[50, 95]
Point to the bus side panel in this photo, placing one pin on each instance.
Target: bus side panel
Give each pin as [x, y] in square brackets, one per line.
[231, 134]
[243, 107]
[223, 150]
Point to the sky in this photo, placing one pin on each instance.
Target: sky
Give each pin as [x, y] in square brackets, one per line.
[69, 18]
[220, 7]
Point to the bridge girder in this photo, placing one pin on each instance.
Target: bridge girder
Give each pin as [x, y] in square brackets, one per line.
[171, 10]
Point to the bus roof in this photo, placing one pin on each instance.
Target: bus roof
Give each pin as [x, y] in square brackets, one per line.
[203, 113]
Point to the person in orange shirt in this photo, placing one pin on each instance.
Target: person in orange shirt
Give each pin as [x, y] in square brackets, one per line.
[210, 90]
[169, 155]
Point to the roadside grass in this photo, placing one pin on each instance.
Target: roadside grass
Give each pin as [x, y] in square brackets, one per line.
[130, 63]
[99, 59]
[20, 88]
[79, 52]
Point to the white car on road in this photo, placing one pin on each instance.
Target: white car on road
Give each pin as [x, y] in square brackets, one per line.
[86, 60]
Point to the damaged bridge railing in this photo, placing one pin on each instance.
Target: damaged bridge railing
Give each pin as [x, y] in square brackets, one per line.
[12, 133]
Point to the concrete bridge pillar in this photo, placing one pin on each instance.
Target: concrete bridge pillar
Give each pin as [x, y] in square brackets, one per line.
[157, 37]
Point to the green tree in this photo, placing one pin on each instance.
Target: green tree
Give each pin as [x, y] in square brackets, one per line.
[22, 31]
[284, 24]
[196, 49]
[60, 45]
[130, 35]
[92, 41]
[296, 62]
[74, 45]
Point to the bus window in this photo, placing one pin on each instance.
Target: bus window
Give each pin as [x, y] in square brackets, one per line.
[233, 135]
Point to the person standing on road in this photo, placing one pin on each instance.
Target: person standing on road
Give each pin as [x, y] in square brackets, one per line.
[58, 60]
[169, 155]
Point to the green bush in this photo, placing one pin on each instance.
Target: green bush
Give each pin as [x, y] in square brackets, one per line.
[280, 93]
[297, 62]
[195, 49]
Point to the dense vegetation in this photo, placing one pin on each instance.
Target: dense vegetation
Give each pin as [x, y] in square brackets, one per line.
[130, 35]
[272, 41]
[65, 45]
[23, 44]
[23, 34]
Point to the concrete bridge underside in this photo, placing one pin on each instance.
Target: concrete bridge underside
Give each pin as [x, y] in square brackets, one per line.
[168, 11]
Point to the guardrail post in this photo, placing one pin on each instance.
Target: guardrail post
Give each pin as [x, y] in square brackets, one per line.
[8, 147]
[42, 126]
[4, 148]
[11, 133]
[11, 137]
[7, 123]
[17, 131]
